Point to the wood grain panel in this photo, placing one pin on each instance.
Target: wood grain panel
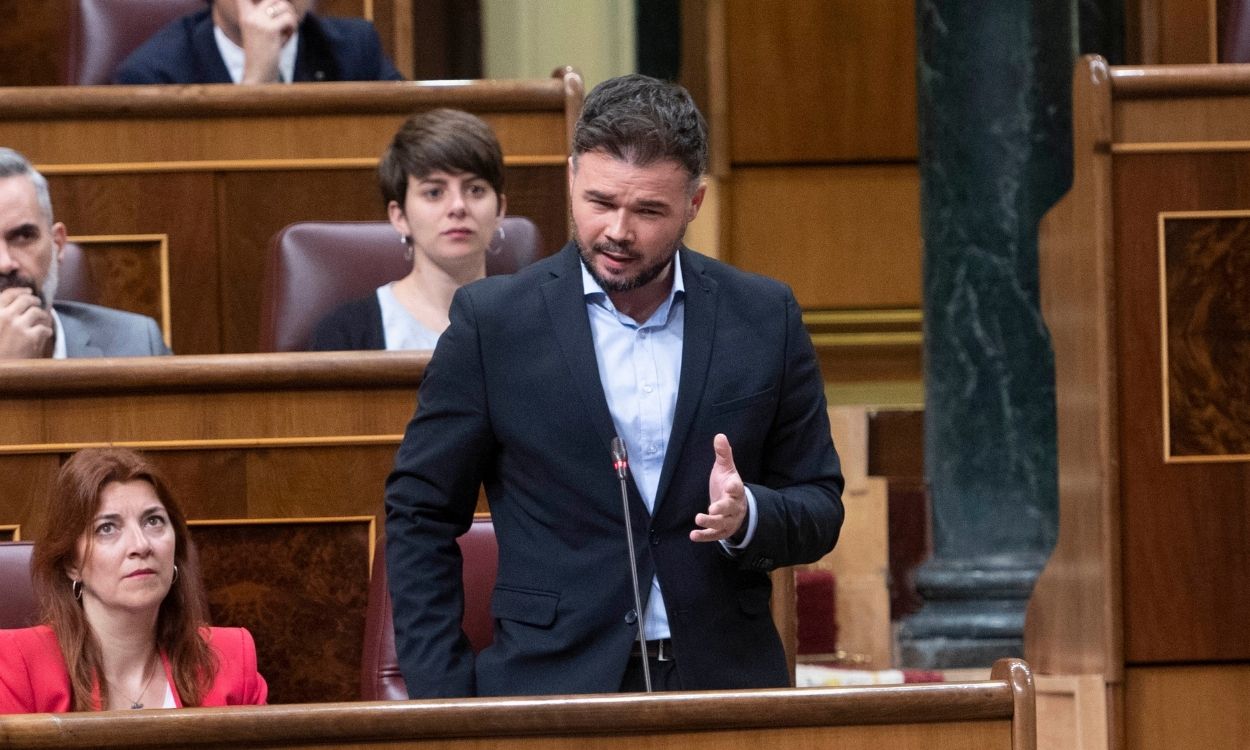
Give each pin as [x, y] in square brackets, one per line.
[330, 481]
[1188, 707]
[840, 236]
[1186, 527]
[1176, 32]
[180, 206]
[821, 80]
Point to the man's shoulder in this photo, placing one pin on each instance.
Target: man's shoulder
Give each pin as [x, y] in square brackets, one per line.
[164, 57]
[89, 313]
[337, 29]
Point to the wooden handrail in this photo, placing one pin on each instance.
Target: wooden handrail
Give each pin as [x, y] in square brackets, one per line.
[233, 372]
[1149, 81]
[426, 720]
[400, 97]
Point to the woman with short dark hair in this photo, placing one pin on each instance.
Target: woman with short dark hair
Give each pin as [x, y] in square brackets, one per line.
[442, 180]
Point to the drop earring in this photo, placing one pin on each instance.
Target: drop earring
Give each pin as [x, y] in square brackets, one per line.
[406, 239]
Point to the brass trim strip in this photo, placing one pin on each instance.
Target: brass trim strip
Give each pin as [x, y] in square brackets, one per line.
[263, 165]
[850, 317]
[215, 443]
[1179, 147]
[882, 338]
[1232, 458]
[162, 241]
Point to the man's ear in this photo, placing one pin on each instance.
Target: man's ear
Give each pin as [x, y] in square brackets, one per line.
[59, 236]
[696, 201]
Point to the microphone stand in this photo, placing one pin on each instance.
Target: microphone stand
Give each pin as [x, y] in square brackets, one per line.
[620, 460]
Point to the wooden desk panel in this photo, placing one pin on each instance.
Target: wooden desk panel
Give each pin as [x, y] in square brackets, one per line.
[958, 716]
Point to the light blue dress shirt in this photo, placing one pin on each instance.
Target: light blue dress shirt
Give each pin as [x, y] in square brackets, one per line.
[640, 369]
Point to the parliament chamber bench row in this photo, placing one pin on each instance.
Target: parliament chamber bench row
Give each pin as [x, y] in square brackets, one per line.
[996, 714]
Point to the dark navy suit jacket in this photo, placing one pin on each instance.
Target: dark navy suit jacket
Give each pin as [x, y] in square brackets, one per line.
[330, 49]
[512, 399]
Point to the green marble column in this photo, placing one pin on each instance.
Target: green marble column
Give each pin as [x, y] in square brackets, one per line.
[993, 87]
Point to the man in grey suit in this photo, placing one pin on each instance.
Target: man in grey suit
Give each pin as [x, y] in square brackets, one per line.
[31, 325]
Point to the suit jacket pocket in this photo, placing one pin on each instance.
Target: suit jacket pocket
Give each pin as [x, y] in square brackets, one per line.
[524, 605]
[734, 404]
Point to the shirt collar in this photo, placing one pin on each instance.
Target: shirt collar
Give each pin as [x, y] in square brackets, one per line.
[595, 295]
[59, 350]
[232, 56]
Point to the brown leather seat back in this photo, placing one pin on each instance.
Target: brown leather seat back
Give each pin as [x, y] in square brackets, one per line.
[19, 608]
[315, 266]
[380, 678]
[102, 33]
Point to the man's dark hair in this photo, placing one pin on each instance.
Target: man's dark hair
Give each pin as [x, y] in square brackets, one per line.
[643, 120]
[445, 140]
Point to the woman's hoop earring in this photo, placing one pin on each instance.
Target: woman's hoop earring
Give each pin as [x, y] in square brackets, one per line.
[175, 578]
[407, 240]
[76, 588]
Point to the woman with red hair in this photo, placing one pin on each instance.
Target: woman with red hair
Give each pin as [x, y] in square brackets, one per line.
[124, 609]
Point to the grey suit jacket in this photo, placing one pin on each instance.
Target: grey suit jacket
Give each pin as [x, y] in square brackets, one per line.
[94, 331]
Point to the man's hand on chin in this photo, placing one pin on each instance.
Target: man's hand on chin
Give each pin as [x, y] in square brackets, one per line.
[26, 328]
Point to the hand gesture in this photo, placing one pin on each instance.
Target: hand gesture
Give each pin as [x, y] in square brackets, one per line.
[727, 498]
[25, 327]
[265, 26]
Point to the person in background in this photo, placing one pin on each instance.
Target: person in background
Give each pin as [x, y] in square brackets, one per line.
[32, 323]
[259, 41]
[442, 180]
[124, 609]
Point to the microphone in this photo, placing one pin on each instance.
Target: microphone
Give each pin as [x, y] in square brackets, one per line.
[620, 462]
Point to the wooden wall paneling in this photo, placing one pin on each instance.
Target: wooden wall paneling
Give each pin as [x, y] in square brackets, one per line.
[207, 483]
[300, 586]
[842, 237]
[1172, 32]
[1188, 706]
[822, 80]
[32, 42]
[180, 206]
[27, 481]
[128, 272]
[1184, 567]
[319, 481]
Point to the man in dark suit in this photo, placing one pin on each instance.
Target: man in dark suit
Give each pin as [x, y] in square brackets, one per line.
[31, 326]
[259, 41]
[705, 372]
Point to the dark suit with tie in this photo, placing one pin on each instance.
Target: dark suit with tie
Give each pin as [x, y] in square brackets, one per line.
[512, 399]
[330, 49]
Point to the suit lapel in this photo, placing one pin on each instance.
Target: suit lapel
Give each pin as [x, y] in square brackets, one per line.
[566, 304]
[696, 354]
[207, 56]
[77, 336]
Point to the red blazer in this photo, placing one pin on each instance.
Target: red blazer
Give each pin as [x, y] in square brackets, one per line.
[33, 677]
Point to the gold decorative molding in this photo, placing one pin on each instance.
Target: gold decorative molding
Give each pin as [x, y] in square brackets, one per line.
[898, 327]
[1179, 147]
[214, 443]
[10, 532]
[162, 249]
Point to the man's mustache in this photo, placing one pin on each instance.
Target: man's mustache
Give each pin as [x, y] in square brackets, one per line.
[15, 279]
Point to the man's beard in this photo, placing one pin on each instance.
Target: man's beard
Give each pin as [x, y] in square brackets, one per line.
[46, 292]
[642, 278]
